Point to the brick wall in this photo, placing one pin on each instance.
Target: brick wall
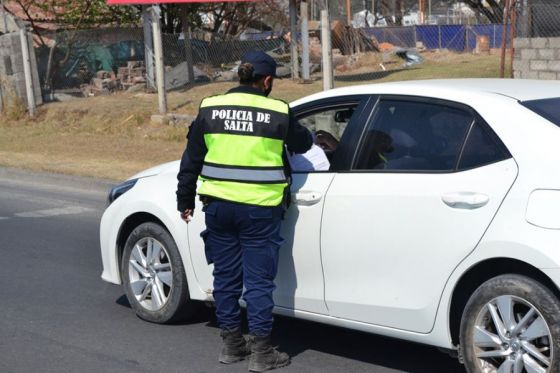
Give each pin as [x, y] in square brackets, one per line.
[537, 58]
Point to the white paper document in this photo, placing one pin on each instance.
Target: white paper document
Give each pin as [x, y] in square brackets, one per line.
[314, 160]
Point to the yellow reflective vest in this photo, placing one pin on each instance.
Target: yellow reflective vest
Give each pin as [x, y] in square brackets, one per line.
[245, 135]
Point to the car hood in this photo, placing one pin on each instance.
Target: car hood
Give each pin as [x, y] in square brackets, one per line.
[156, 170]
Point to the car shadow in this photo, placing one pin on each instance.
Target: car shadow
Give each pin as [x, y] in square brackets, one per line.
[123, 301]
[296, 336]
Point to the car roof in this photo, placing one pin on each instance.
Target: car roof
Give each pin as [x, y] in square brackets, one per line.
[518, 89]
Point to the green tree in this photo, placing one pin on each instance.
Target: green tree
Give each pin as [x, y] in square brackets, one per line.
[74, 14]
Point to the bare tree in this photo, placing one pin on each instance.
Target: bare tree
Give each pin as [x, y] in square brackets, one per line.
[494, 11]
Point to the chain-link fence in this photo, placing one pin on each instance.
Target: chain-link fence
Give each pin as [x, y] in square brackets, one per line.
[213, 61]
[100, 61]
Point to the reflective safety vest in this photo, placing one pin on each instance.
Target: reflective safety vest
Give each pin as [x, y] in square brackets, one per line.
[245, 135]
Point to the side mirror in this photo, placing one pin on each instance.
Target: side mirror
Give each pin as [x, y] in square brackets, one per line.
[343, 115]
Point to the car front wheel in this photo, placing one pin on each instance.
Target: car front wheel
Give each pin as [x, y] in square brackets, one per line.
[511, 323]
[154, 277]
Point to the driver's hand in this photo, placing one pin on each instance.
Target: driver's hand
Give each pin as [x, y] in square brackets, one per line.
[326, 141]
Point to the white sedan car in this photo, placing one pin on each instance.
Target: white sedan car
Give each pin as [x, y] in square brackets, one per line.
[437, 222]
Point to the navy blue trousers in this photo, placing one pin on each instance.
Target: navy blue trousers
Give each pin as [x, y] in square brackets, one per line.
[243, 241]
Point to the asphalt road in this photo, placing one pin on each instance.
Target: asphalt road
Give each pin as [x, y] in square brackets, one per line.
[57, 315]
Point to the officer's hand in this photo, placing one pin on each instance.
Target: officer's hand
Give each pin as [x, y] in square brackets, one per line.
[187, 215]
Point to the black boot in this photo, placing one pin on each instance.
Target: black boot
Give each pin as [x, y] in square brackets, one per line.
[235, 347]
[264, 356]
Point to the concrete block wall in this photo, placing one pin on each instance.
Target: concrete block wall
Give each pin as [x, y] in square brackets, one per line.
[536, 58]
[12, 78]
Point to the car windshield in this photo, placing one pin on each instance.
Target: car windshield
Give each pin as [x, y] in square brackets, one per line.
[548, 108]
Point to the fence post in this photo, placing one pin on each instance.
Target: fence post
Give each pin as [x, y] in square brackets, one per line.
[439, 36]
[148, 47]
[327, 50]
[467, 47]
[524, 24]
[4, 18]
[304, 41]
[187, 38]
[504, 37]
[27, 72]
[513, 30]
[293, 39]
[158, 51]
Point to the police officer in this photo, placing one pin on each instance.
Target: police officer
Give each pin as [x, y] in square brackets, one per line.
[237, 147]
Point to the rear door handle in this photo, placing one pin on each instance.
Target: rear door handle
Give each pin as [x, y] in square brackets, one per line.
[306, 197]
[465, 200]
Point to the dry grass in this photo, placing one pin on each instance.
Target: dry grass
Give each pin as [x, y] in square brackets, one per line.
[112, 137]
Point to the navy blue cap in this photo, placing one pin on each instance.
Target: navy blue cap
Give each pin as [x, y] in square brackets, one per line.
[262, 63]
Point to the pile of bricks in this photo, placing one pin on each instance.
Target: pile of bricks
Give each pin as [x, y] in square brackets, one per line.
[106, 82]
[103, 83]
[134, 73]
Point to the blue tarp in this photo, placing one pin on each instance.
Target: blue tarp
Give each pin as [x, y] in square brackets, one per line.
[399, 36]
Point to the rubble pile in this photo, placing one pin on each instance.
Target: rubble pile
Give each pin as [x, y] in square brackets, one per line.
[134, 73]
[106, 82]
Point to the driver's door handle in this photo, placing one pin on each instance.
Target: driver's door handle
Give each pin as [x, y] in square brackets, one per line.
[306, 197]
[465, 200]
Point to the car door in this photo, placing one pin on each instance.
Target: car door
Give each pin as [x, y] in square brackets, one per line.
[299, 282]
[425, 183]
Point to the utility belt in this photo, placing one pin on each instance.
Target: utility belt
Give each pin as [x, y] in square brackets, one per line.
[206, 200]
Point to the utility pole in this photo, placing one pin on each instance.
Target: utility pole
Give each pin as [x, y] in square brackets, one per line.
[349, 12]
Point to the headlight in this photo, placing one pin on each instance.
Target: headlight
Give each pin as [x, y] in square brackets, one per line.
[119, 190]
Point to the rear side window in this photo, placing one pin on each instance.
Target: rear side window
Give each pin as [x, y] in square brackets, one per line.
[548, 108]
[481, 148]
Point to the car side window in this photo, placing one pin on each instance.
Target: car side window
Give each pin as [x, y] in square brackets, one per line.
[333, 121]
[413, 136]
[327, 124]
[481, 148]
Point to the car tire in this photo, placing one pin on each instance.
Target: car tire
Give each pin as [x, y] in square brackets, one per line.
[511, 322]
[154, 277]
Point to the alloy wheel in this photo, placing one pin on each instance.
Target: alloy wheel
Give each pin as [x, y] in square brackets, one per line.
[150, 273]
[511, 335]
